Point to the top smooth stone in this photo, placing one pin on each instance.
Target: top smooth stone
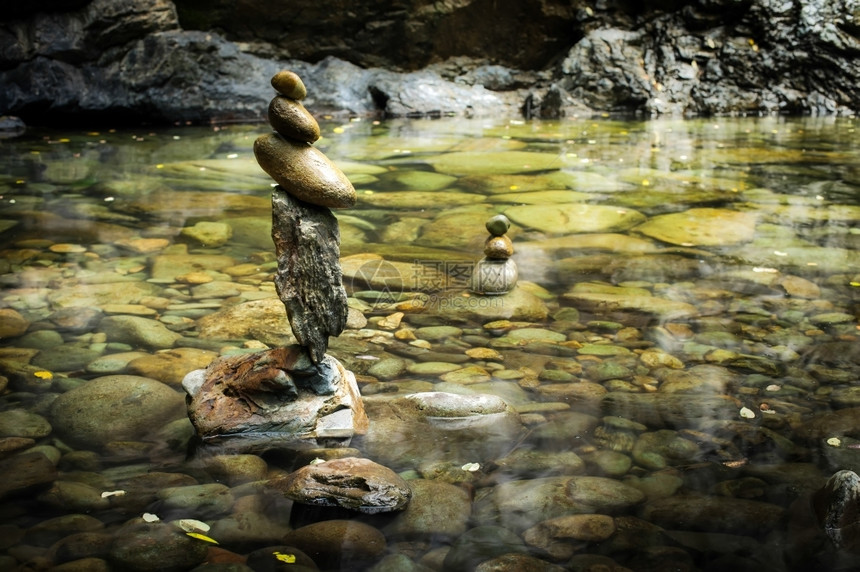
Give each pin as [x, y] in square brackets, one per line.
[498, 225]
[289, 84]
[304, 171]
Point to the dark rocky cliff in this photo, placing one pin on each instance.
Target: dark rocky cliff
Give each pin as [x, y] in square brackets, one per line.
[159, 61]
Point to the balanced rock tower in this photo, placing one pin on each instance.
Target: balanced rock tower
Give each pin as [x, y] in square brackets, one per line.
[496, 273]
[296, 395]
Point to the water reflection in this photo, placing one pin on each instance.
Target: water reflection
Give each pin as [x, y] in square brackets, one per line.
[681, 353]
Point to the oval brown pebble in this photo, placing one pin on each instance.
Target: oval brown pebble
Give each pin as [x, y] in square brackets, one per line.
[304, 171]
[289, 84]
[290, 118]
[498, 247]
[339, 543]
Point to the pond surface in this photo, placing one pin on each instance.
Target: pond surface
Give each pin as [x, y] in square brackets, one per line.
[680, 358]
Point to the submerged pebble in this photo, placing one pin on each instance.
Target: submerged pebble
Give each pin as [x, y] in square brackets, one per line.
[658, 389]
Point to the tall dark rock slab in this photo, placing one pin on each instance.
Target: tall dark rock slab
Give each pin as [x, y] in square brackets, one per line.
[308, 281]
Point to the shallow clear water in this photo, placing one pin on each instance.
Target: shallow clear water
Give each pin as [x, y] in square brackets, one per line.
[685, 325]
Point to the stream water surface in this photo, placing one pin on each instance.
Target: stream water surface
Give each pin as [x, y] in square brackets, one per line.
[679, 360]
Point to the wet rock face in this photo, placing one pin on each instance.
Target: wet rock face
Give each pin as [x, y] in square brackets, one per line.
[152, 61]
[406, 34]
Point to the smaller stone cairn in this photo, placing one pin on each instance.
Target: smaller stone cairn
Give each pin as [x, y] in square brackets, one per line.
[298, 394]
[496, 273]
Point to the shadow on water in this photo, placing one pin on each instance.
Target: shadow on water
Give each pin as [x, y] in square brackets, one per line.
[672, 383]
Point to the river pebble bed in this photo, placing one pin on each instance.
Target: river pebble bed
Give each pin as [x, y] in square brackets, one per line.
[674, 378]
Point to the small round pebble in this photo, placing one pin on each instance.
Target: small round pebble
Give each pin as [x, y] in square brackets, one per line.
[498, 225]
[498, 247]
[289, 84]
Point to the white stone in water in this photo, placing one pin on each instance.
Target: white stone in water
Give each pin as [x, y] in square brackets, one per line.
[193, 381]
[493, 277]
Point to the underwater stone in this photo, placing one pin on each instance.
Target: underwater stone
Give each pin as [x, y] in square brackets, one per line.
[113, 408]
[308, 280]
[290, 118]
[351, 483]
[304, 171]
[837, 507]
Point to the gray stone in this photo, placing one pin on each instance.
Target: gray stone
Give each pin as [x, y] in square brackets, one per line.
[26, 473]
[339, 544]
[521, 504]
[74, 496]
[65, 357]
[527, 463]
[138, 331]
[140, 546]
[713, 514]
[406, 430]
[436, 510]
[195, 501]
[557, 536]
[114, 408]
[836, 506]
[40, 339]
[309, 276]
[669, 410]
[208, 233]
[480, 544]
[387, 368]
[20, 423]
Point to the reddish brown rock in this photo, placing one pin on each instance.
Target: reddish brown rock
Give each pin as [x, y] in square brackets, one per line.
[25, 473]
[498, 247]
[352, 483]
[275, 397]
[339, 544]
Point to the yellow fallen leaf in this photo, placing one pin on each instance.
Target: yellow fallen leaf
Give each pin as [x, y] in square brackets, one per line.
[199, 536]
[288, 558]
[44, 374]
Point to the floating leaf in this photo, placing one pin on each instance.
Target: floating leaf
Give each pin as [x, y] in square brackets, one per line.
[834, 442]
[199, 536]
[44, 374]
[317, 461]
[108, 494]
[149, 517]
[288, 558]
[747, 413]
[471, 467]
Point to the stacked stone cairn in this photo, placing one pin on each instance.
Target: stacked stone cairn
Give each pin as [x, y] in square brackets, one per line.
[496, 273]
[296, 394]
